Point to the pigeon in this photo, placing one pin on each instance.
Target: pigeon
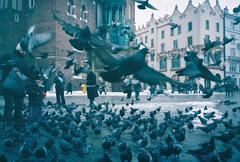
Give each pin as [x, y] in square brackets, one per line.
[195, 68]
[105, 158]
[40, 152]
[32, 41]
[190, 126]
[209, 115]
[208, 45]
[69, 63]
[226, 154]
[236, 20]
[216, 58]
[202, 120]
[143, 156]
[25, 151]
[65, 146]
[143, 4]
[227, 40]
[177, 150]
[126, 155]
[226, 137]
[8, 142]
[236, 9]
[173, 25]
[3, 158]
[209, 127]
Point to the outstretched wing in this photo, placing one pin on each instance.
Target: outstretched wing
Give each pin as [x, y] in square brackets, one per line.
[151, 6]
[150, 76]
[109, 59]
[67, 27]
[38, 40]
[191, 70]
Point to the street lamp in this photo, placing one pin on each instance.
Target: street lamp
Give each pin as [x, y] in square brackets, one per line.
[224, 47]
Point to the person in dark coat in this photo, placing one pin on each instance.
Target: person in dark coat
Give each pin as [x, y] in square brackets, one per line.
[60, 86]
[92, 91]
[36, 92]
[128, 87]
[69, 87]
[137, 89]
[14, 98]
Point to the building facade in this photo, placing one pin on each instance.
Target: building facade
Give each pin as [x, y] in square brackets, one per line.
[232, 50]
[169, 46]
[18, 15]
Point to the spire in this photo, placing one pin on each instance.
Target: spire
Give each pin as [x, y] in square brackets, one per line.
[152, 16]
[217, 2]
[176, 8]
[190, 2]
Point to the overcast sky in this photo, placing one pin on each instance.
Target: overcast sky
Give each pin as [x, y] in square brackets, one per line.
[167, 7]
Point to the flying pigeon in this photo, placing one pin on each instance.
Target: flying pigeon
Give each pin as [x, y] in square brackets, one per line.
[143, 4]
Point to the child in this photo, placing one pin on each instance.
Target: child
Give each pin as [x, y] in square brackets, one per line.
[36, 93]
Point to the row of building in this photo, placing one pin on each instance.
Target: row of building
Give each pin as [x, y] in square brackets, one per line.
[168, 46]
[16, 16]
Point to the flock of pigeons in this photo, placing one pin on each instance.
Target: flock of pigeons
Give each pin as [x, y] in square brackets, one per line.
[106, 133]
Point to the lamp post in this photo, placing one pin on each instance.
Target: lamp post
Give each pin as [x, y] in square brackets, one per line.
[224, 47]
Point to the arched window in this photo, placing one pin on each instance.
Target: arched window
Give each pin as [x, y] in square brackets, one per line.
[70, 7]
[31, 3]
[176, 61]
[163, 63]
[84, 12]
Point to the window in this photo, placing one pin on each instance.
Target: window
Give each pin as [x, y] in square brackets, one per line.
[232, 52]
[176, 61]
[218, 39]
[146, 39]
[207, 25]
[190, 26]
[136, 41]
[152, 30]
[152, 56]
[172, 32]
[175, 44]
[141, 39]
[71, 8]
[16, 17]
[17, 4]
[162, 34]
[217, 27]
[232, 68]
[152, 42]
[1, 4]
[233, 36]
[189, 39]
[6, 3]
[84, 12]
[162, 47]
[163, 63]
[31, 3]
[179, 29]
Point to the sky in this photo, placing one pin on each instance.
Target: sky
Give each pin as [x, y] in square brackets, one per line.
[167, 7]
